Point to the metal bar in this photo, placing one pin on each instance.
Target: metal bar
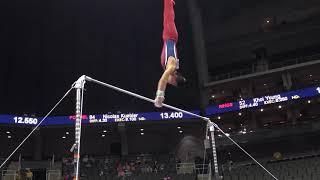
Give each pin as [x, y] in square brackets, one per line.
[145, 98]
[24, 140]
[79, 86]
[181, 110]
[214, 153]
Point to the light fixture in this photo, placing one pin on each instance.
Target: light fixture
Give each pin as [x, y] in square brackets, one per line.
[310, 75]
[213, 96]
[180, 131]
[63, 137]
[227, 134]
[229, 128]
[142, 133]
[141, 129]
[9, 137]
[8, 132]
[67, 133]
[264, 84]
[179, 127]
[239, 113]
[104, 131]
[309, 101]
[261, 109]
[268, 21]
[300, 114]
[279, 106]
[219, 117]
[103, 135]
[219, 135]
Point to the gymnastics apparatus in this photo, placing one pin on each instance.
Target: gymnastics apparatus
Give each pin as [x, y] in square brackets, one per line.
[79, 87]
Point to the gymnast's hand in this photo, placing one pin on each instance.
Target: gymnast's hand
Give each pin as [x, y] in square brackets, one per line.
[159, 99]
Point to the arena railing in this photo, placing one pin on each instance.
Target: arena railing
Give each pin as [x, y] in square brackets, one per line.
[9, 174]
[246, 71]
[185, 168]
[53, 175]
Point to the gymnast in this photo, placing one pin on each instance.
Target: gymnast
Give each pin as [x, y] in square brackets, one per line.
[169, 58]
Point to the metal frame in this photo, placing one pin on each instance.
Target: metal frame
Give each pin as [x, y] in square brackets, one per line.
[79, 86]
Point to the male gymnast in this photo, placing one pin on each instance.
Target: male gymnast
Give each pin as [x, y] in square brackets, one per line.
[169, 58]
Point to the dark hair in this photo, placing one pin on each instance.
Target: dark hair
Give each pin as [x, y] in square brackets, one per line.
[181, 81]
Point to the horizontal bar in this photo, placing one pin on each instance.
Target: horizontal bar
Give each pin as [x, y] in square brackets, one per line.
[145, 98]
[210, 123]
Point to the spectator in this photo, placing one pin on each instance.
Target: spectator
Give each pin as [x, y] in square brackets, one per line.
[161, 168]
[138, 160]
[101, 173]
[155, 166]
[120, 170]
[29, 174]
[106, 161]
[92, 160]
[18, 175]
[85, 159]
[67, 177]
[132, 165]
[127, 167]
[230, 164]
[149, 169]
[143, 168]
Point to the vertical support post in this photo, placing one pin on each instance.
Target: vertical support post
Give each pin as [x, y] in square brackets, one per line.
[79, 86]
[214, 152]
[37, 145]
[210, 171]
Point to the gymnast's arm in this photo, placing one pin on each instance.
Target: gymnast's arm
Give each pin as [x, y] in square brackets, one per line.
[170, 69]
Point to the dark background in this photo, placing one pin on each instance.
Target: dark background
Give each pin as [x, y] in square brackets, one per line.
[47, 45]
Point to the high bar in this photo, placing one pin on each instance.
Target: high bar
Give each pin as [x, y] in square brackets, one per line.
[210, 123]
[145, 98]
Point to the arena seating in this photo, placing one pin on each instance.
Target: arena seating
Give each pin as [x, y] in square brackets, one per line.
[299, 168]
[294, 167]
[145, 167]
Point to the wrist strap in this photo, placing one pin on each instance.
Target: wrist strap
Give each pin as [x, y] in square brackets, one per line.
[160, 93]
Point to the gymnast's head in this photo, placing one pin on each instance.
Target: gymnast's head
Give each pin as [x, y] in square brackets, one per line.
[176, 79]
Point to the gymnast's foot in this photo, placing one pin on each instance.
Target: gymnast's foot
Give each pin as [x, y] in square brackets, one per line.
[159, 99]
